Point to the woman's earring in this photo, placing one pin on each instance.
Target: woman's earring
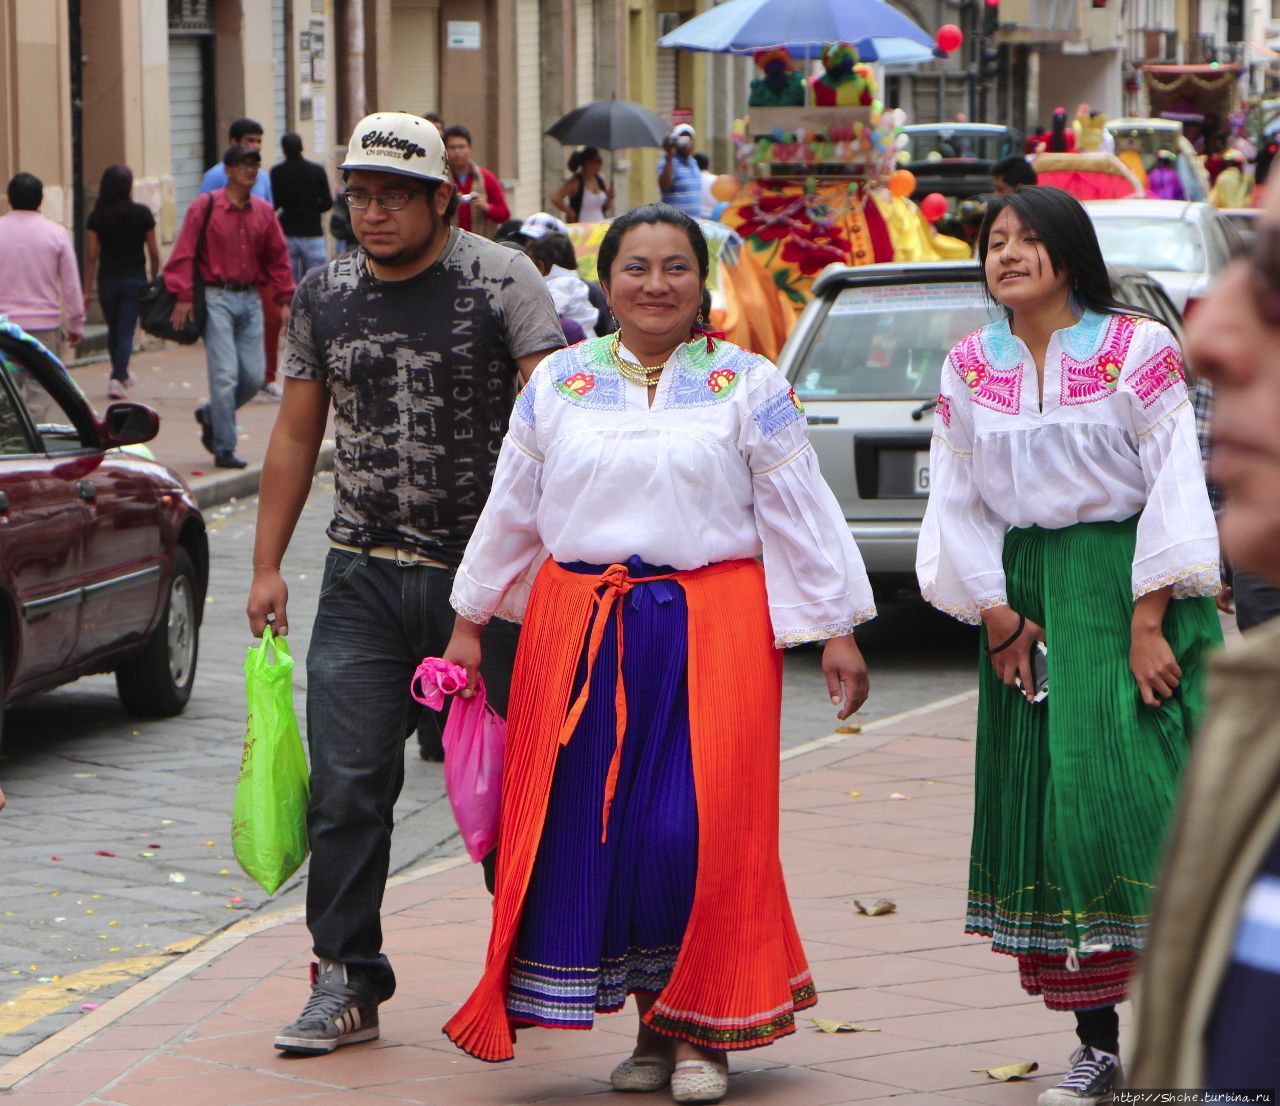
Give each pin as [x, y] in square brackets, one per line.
[700, 319]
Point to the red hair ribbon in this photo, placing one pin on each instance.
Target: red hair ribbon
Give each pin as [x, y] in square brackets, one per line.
[712, 336]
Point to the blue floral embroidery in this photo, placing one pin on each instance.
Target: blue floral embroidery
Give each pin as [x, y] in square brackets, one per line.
[693, 384]
[777, 413]
[590, 359]
[524, 406]
[1083, 341]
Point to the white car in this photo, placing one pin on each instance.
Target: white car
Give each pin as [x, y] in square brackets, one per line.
[1183, 245]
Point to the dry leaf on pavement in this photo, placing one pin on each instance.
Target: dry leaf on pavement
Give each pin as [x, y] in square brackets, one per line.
[826, 1025]
[1010, 1071]
[880, 906]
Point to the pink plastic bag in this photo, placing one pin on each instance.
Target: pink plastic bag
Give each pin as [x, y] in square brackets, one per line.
[474, 737]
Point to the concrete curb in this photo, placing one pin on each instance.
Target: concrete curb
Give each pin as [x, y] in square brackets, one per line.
[214, 490]
[26, 1064]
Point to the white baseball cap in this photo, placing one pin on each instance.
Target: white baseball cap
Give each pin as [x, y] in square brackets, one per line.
[397, 142]
[682, 129]
[540, 223]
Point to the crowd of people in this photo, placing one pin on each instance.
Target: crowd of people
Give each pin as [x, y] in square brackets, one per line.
[598, 507]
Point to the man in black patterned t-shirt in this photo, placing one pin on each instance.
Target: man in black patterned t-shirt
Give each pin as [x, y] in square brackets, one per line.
[417, 340]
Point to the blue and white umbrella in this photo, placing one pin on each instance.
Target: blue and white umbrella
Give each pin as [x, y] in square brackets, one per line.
[804, 27]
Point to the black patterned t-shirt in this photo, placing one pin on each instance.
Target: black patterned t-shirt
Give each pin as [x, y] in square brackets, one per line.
[421, 373]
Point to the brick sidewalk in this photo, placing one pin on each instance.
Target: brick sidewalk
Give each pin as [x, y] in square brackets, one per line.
[940, 1003]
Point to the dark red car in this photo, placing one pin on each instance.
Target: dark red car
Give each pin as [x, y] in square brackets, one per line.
[103, 554]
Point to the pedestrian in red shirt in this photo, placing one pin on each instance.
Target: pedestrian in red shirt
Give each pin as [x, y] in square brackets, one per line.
[243, 249]
[482, 205]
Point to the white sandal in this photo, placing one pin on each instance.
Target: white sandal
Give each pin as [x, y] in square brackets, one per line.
[641, 1073]
[699, 1081]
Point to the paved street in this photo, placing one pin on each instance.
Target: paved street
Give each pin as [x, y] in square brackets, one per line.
[117, 852]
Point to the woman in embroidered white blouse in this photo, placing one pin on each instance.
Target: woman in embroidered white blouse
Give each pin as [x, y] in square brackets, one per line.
[1069, 510]
[644, 479]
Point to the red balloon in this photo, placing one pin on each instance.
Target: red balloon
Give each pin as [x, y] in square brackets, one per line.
[934, 206]
[950, 37]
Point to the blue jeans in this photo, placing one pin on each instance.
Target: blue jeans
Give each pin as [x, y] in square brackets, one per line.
[119, 299]
[306, 254]
[236, 358]
[374, 623]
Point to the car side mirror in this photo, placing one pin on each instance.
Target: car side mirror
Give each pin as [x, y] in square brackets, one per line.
[129, 424]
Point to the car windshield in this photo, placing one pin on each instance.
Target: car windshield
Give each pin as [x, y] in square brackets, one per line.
[887, 342]
[959, 144]
[1170, 245]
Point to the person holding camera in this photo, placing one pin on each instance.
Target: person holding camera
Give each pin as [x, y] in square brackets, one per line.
[679, 176]
[482, 205]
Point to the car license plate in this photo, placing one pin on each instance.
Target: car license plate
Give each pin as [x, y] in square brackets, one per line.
[921, 485]
[902, 473]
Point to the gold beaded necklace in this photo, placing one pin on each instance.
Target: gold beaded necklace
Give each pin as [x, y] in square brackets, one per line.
[643, 375]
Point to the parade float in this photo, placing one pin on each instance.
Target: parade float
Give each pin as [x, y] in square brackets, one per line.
[819, 181]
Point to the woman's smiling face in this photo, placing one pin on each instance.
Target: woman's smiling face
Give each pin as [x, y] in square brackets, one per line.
[1018, 268]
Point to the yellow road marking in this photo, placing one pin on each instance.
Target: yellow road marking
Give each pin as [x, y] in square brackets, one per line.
[48, 998]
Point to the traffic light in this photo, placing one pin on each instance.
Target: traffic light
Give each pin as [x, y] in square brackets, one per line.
[991, 17]
[990, 61]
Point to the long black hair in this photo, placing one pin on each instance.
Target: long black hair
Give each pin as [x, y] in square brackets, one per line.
[115, 193]
[651, 215]
[1069, 240]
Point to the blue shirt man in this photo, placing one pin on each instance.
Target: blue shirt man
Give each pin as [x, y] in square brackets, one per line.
[679, 177]
[243, 132]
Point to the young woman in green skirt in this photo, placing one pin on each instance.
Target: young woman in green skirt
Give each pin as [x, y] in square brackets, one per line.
[1069, 516]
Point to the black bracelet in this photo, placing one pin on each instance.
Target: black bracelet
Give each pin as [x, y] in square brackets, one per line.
[1022, 622]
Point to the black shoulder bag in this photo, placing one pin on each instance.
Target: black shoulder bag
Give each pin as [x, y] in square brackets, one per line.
[155, 305]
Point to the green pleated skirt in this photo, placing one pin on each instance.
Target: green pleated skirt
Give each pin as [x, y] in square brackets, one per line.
[1073, 796]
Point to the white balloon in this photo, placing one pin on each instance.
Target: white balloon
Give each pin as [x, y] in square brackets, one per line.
[902, 141]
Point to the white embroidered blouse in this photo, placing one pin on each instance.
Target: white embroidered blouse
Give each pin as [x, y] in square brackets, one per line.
[1115, 437]
[718, 468]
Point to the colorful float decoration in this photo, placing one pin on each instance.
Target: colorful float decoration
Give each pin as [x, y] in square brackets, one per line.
[820, 182]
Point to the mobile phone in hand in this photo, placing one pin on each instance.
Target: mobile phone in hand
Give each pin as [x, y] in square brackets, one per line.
[1039, 672]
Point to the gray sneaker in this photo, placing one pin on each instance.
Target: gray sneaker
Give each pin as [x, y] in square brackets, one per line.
[340, 1011]
[1092, 1080]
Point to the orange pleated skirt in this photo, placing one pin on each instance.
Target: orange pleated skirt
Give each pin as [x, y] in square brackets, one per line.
[741, 973]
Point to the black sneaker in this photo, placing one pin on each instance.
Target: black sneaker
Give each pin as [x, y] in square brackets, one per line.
[340, 1011]
[1092, 1079]
[206, 427]
[229, 460]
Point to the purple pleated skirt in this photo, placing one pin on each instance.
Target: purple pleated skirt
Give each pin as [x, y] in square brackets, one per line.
[606, 919]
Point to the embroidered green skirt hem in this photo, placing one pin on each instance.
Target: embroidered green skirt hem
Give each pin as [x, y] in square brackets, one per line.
[1074, 796]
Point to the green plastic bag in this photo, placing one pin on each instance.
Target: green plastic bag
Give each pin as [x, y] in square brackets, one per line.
[269, 823]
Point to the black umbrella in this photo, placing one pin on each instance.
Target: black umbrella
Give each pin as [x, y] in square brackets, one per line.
[609, 125]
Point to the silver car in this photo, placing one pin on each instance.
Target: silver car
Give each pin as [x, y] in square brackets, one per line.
[1183, 245]
[866, 359]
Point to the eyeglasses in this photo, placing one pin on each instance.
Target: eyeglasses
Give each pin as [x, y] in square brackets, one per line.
[388, 201]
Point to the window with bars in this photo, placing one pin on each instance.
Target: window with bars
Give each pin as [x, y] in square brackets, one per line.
[190, 15]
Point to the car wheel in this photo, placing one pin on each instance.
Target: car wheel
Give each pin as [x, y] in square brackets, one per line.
[158, 682]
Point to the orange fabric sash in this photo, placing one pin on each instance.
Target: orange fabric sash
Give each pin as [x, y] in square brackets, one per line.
[741, 973]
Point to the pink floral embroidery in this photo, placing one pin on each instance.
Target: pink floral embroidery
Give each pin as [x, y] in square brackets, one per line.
[944, 410]
[1156, 376]
[1096, 377]
[579, 383]
[997, 389]
[719, 380]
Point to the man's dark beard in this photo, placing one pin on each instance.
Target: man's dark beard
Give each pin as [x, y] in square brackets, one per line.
[409, 254]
